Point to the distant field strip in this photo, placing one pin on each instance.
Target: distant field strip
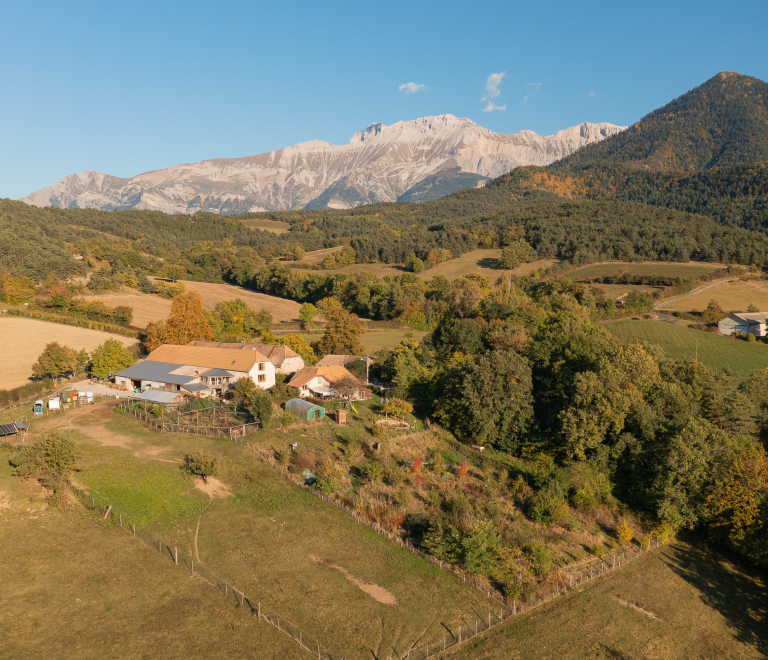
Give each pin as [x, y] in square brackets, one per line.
[650, 268]
[679, 341]
[696, 292]
[732, 296]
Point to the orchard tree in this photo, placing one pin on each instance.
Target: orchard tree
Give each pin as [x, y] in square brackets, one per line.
[109, 358]
[54, 361]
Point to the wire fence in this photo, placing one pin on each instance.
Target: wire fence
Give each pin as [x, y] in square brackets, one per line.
[237, 597]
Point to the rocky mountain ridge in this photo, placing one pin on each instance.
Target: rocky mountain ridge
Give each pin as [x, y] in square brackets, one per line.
[380, 163]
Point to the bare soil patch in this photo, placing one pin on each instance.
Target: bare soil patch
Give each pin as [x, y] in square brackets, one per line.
[637, 608]
[214, 488]
[373, 590]
[22, 340]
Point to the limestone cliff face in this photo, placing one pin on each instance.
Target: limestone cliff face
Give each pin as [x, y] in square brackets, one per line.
[379, 164]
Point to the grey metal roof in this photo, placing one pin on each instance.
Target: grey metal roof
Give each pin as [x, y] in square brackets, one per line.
[219, 373]
[20, 425]
[157, 371]
[157, 396]
[752, 318]
[196, 387]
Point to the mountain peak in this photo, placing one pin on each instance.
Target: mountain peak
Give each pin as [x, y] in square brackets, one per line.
[440, 153]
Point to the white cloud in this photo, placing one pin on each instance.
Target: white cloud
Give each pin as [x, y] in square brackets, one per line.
[492, 106]
[590, 95]
[531, 88]
[492, 85]
[412, 88]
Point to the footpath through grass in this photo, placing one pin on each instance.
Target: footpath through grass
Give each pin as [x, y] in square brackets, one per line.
[677, 603]
[679, 341]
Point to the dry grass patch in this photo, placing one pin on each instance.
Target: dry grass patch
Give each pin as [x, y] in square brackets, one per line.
[650, 268]
[680, 602]
[22, 340]
[731, 296]
[275, 226]
[145, 307]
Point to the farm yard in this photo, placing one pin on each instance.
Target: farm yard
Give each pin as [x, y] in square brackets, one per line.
[679, 341]
[22, 340]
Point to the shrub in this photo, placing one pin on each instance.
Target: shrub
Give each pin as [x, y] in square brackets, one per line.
[417, 464]
[372, 470]
[201, 464]
[624, 533]
[598, 549]
[645, 541]
[463, 468]
[548, 505]
[542, 558]
[303, 461]
[327, 484]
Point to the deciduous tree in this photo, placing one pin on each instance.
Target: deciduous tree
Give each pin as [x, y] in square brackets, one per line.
[109, 358]
[54, 361]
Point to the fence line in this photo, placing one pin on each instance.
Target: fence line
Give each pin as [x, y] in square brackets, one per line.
[561, 583]
[236, 596]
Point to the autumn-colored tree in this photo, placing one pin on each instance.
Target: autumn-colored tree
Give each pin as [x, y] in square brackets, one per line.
[417, 464]
[54, 361]
[463, 469]
[342, 330]
[186, 323]
[201, 464]
[109, 358]
[714, 312]
[297, 344]
[397, 407]
[740, 493]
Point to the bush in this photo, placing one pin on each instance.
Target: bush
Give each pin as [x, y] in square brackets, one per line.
[548, 505]
[372, 470]
[598, 549]
[201, 464]
[327, 484]
[624, 533]
[542, 558]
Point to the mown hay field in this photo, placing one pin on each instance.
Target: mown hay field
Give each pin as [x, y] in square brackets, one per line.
[376, 340]
[676, 603]
[23, 340]
[148, 307]
[275, 541]
[731, 296]
[679, 341]
[275, 226]
[650, 268]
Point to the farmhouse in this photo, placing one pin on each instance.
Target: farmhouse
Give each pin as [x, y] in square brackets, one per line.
[328, 383]
[197, 370]
[285, 360]
[752, 324]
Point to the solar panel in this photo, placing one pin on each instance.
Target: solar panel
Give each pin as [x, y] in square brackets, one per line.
[7, 429]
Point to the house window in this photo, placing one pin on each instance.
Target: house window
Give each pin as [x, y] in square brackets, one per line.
[261, 366]
[262, 378]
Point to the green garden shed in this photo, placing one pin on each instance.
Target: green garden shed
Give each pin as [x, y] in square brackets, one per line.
[304, 409]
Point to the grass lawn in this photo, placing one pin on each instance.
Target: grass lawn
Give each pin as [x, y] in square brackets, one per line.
[275, 226]
[663, 269]
[676, 603]
[679, 341]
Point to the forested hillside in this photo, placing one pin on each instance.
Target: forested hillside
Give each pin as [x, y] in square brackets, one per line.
[722, 122]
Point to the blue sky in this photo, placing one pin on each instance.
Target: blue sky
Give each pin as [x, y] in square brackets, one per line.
[123, 88]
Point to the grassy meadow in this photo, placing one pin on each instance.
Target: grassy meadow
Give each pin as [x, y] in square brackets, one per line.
[651, 268]
[679, 341]
[374, 340]
[275, 226]
[676, 603]
[300, 557]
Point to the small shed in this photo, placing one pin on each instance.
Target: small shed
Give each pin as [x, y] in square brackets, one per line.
[160, 397]
[341, 417]
[17, 428]
[54, 403]
[304, 409]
